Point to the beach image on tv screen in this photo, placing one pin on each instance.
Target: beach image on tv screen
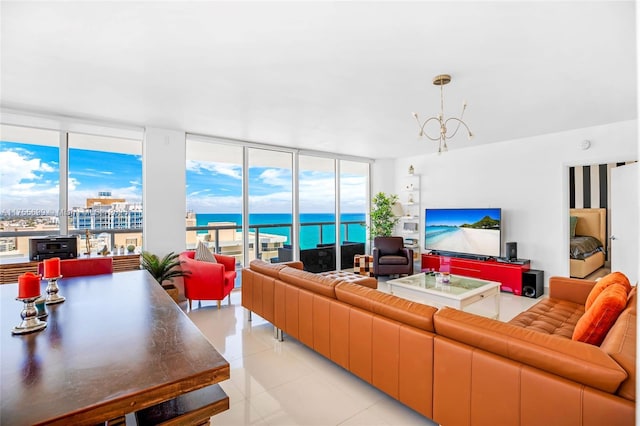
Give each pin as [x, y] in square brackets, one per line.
[474, 231]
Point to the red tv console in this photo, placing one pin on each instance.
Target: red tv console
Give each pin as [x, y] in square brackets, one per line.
[508, 274]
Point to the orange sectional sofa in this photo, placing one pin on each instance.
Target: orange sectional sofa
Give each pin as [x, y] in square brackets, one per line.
[455, 367]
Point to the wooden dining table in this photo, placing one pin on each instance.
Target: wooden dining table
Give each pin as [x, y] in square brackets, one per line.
[116, 345]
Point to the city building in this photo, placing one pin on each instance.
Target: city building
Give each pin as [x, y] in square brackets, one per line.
[105, 212]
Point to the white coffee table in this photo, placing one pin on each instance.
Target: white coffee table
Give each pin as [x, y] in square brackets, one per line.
[461, 292]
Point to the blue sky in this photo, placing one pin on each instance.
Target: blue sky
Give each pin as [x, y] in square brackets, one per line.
[30, 176]
[29, 180]
[217, 188]
[456, 217]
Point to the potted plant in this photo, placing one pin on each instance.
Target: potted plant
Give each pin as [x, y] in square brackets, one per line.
[131, 248]
[164, 269]
[382, 218]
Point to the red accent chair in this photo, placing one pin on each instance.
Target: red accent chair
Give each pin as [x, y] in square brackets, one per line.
[208, 280]
[82, 267]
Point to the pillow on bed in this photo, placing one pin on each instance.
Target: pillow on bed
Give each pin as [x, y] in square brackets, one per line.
[573, 221]
[614, 278]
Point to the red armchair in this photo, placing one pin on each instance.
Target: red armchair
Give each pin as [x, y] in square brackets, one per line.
[208, 280]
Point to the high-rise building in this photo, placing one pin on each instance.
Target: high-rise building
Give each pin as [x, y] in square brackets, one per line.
[104, 199]
[105, 212]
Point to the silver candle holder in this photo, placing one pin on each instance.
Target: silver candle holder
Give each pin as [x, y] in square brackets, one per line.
[52, 291]
[29, 315]
[40, 306]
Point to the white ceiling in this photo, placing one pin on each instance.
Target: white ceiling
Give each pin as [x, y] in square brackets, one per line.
[332, 76]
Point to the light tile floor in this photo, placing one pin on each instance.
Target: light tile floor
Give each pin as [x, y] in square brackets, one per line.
[286, 383]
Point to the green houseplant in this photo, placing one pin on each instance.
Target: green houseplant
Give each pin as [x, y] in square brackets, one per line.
[164, 269]
[382, 218]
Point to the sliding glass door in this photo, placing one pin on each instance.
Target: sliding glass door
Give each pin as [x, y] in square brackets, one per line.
[214, 197]
[354, 196]
[317, 195]
[270, 203]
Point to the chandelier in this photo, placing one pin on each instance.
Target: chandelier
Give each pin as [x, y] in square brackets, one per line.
[441, 80]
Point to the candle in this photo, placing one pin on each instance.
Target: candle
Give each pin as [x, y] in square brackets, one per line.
[28, 285]
[52, 267]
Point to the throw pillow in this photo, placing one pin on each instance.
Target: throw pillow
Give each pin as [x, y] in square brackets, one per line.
[204, 254]
[594, 325]
[573, 221]
[632, 300]
[617, 278]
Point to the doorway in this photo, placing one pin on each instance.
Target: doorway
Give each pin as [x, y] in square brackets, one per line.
[590, 187]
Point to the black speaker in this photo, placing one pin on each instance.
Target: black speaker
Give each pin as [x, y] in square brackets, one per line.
[511, 251]
[533, 283]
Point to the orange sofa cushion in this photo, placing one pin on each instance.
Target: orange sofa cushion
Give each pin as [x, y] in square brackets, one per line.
[606, 281]
[594, 325]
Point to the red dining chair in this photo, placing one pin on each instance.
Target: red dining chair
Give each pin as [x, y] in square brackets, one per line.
[208, 280]
[82, 267]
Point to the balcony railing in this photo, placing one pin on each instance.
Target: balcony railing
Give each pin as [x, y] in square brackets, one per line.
[256, 232]
[21, 239]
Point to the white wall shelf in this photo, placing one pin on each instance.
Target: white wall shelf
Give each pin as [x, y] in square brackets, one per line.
[409, 222]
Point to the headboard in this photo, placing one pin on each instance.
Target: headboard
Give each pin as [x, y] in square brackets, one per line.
[591, 222]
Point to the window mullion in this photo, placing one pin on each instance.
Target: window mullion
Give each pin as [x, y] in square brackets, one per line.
[63, 205]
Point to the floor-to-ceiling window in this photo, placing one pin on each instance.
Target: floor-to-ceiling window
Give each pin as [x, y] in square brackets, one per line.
[214, 196]
[29, 186]
[280, 203]
[317, 201]
[354, 196]
[105, 192]
[57, 180]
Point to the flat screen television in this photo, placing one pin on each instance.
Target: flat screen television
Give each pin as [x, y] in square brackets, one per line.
[472, 232]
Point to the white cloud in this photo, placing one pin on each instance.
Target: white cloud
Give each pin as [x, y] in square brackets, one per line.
[90, 173]
[194, 193]
[276, 177]
[200, 167]
[72, 184]
[22, 182]
[211, 204]
[17, 168]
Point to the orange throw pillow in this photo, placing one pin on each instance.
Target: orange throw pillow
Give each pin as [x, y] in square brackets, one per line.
[594, 325]
[604, 282]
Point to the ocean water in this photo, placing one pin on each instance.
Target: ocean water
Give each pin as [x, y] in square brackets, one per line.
[310, 235]
[435, 234]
